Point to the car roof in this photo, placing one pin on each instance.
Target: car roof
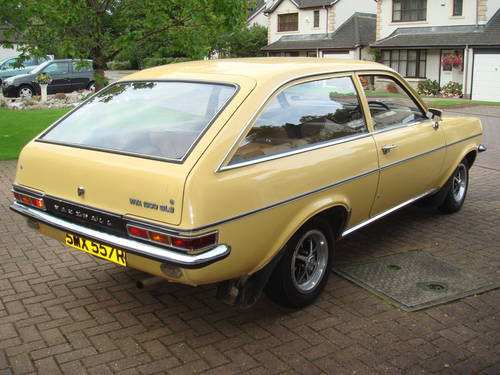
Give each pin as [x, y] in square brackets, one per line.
[259, 69]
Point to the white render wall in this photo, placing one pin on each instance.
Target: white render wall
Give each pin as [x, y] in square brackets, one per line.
[306, 21]
[437, 15]
[259, 19]
[492, 7]
[344, 9]
[6, 53]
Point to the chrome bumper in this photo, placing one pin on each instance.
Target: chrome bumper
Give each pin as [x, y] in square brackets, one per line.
[157, 253]
[481, 148]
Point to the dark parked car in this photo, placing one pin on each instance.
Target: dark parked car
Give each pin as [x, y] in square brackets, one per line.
[67, 76]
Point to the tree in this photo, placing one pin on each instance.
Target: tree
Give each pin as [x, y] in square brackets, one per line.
[248, 41]
[101, 29]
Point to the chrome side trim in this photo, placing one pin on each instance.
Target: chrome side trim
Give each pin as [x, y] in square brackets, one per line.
[172, 230]
[287, 200]
[138, 248]
[315, 146]
[375, 218]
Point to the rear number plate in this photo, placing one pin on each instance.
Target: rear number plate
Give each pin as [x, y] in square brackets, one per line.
[102, 251]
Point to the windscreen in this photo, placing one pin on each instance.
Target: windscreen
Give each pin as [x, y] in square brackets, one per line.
[154, 119]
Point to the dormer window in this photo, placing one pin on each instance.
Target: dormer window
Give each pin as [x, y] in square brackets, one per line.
[458, 6]
[409, 10]
[288, 22]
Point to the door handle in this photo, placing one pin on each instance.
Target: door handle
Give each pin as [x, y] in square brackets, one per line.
[387, 148]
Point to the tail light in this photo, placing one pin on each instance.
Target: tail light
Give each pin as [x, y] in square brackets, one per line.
[194, 243]
[29, 200]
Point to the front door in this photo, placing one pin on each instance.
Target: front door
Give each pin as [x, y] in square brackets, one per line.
[410, 147]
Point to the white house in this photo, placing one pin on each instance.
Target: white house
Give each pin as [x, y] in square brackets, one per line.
[6, 53]
[419, 38]
[320, 28]
[257, 15]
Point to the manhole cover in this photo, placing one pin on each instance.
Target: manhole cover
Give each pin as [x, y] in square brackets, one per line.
[415, 280]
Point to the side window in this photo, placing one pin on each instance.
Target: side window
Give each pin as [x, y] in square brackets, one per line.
[78, 67]
[390, 104]
[57, 68]
[303, 115]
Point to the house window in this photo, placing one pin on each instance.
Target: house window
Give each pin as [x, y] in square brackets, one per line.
[409, 10]
[288, 22]
[458, 7]
[409, 63]
[316, 18]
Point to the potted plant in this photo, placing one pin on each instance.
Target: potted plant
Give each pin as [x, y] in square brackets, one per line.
[43, 80]
[451, 60]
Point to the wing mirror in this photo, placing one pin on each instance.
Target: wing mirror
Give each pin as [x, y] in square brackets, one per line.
[434, 114]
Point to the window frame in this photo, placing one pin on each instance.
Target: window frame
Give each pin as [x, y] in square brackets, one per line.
[405, 87]
[281, 23]
[421, 56]
[455, 6]
[316, 19]
[405, 11]
[225, 164]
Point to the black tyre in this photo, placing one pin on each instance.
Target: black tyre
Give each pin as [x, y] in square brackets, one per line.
[459, 183]
[303, 271]
[25, 91]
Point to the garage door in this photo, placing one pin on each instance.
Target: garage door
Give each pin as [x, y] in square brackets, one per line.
[486, 77]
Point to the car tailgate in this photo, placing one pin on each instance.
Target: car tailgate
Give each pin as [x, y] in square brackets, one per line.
[121, 184]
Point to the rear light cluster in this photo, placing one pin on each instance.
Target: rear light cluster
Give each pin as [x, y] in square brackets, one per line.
[194, 243]
[29, 200]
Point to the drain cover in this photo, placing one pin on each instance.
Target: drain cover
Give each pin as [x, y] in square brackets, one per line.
[415, 280]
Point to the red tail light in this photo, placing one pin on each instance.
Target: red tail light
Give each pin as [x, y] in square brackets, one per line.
[182, 243]
[29, 200]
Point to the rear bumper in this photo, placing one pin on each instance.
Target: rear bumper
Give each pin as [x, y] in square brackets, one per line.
[156, 253]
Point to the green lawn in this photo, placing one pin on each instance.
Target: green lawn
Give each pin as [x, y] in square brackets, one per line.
[451, 102]
[18, 127]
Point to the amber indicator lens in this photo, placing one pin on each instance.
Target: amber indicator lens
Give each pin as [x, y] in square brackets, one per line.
[158, 237]
[30, 201]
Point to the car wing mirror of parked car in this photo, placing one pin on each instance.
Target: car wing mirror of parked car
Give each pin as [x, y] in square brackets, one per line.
[434, 114]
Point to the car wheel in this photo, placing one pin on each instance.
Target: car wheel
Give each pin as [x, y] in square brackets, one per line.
[25, 91]
[303, 271]
[458, 189]
[91, 86]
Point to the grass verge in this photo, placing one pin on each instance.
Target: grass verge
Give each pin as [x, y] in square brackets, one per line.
[451, 103]
[18, 127]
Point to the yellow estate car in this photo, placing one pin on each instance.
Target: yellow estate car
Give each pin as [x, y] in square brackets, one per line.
[241, 172]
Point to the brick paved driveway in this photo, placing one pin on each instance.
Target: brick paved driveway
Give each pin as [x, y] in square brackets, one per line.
[62, 311]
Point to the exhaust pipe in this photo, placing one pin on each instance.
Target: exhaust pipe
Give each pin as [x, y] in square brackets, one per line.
[140, 284]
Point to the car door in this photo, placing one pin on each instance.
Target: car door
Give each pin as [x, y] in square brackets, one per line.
[410, 146]
[79, 76]
[59, 71]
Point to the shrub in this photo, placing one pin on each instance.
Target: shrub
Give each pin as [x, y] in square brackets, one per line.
[428, 87]
[452, 90]
[119, 65]
[150, 62]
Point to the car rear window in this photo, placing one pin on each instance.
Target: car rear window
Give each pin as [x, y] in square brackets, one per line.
[153, 119]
